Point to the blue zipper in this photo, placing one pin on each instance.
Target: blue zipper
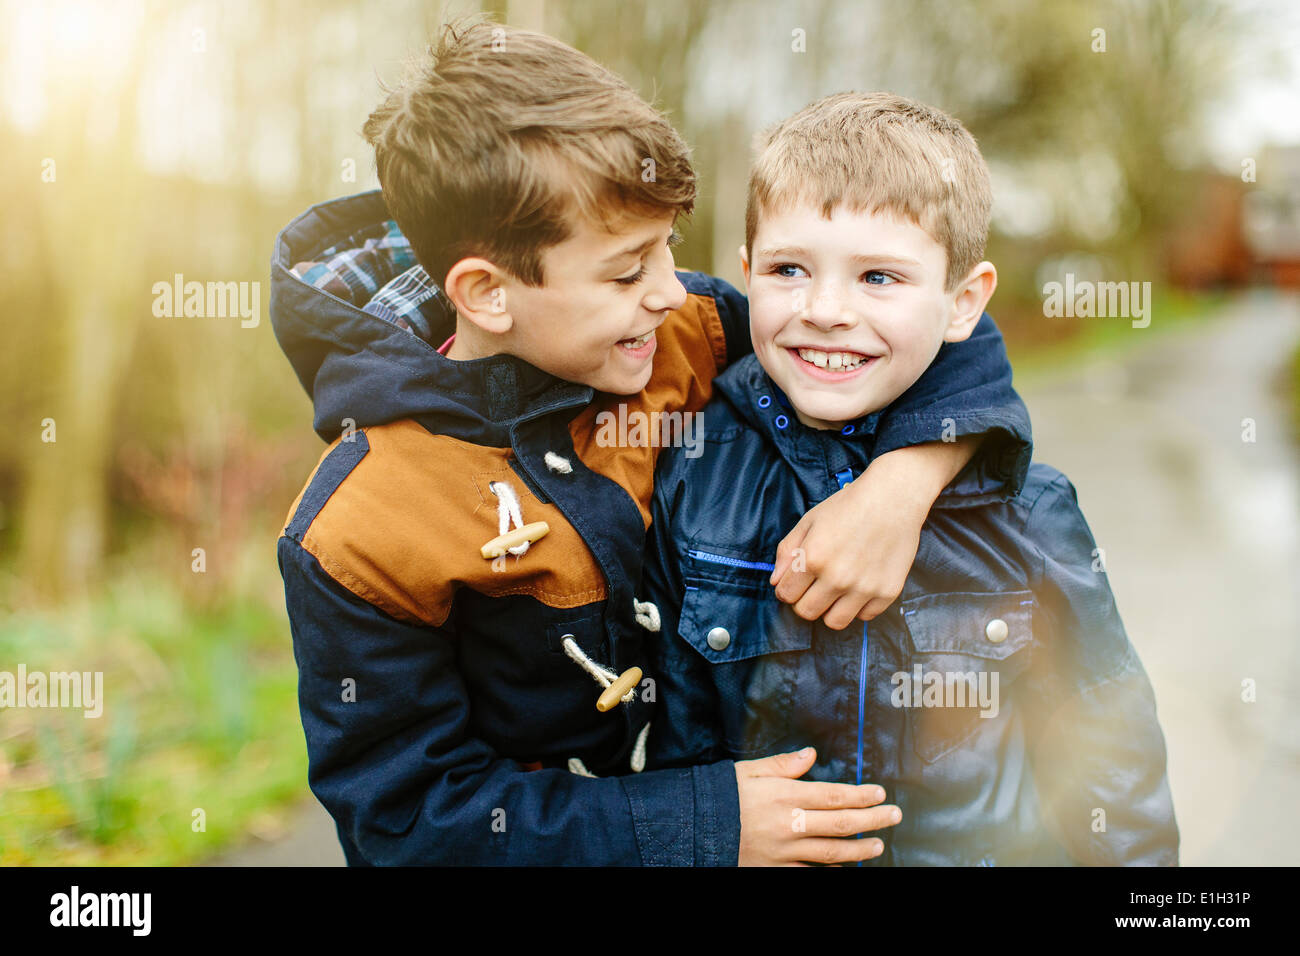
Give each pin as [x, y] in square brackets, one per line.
[731, 562]
[862, 704]
[862, 698]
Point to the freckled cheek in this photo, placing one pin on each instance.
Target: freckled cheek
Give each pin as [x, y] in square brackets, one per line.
[766, 323]
[777, 305]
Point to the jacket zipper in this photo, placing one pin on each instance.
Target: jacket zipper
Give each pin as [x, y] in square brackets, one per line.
[862, 698]
[862, 706]
[731, 562]
[842, 478]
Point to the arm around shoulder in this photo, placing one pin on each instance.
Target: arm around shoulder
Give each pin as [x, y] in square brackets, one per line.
[966, 391]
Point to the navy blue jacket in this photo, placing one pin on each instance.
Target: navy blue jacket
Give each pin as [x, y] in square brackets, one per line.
[1068, 766]
[439, 705]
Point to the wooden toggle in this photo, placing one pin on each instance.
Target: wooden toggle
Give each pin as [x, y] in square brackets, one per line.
[615, 691]
[512, 539]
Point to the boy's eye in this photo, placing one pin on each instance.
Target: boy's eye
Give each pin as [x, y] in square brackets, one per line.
[674, 239]
[787, 270]
[878, 278]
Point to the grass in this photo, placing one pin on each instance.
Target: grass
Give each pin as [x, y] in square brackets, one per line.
[199, 743]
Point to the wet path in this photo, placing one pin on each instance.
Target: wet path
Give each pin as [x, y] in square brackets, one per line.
[1201, 532]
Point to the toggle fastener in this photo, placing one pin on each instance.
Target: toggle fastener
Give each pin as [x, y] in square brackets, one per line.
[616, 691]
[619, 688]
[512, 539]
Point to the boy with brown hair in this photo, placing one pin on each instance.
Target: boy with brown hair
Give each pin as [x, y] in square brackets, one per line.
[462, 567]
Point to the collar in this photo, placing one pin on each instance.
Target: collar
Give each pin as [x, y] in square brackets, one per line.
[765, 406]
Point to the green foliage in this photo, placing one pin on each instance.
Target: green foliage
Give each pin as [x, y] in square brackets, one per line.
[200, 711]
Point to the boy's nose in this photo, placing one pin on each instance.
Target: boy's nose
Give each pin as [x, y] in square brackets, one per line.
[668, 294]
[827, 310]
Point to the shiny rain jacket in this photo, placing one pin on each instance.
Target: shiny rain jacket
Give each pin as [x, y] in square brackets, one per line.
[998, 701]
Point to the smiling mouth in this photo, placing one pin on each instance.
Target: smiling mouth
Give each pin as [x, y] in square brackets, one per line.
[837, 361]
[636, 343]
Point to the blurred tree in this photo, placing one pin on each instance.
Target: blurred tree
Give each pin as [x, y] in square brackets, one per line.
[81, 254]
[91, 297]
[1103, 106]
[265, 120]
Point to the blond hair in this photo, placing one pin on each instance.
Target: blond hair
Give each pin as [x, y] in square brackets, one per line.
[878, 152]
[502, 136]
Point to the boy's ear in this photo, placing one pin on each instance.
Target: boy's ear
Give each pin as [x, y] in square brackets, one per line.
[744, 263]
[969, 300]
[477, 288]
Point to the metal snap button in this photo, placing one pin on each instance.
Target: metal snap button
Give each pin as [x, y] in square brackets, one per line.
[719, 638]
[996, 631]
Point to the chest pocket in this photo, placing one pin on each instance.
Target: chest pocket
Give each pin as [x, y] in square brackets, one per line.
[756, 645]
[967, 650]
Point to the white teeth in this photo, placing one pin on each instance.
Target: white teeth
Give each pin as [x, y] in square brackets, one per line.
[833, 360]
[636, 343]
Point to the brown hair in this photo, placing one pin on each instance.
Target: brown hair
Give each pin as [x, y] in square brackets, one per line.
[878, 152]
[501, 136]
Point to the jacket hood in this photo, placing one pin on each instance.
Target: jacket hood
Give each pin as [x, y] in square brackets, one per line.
[361, 369]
